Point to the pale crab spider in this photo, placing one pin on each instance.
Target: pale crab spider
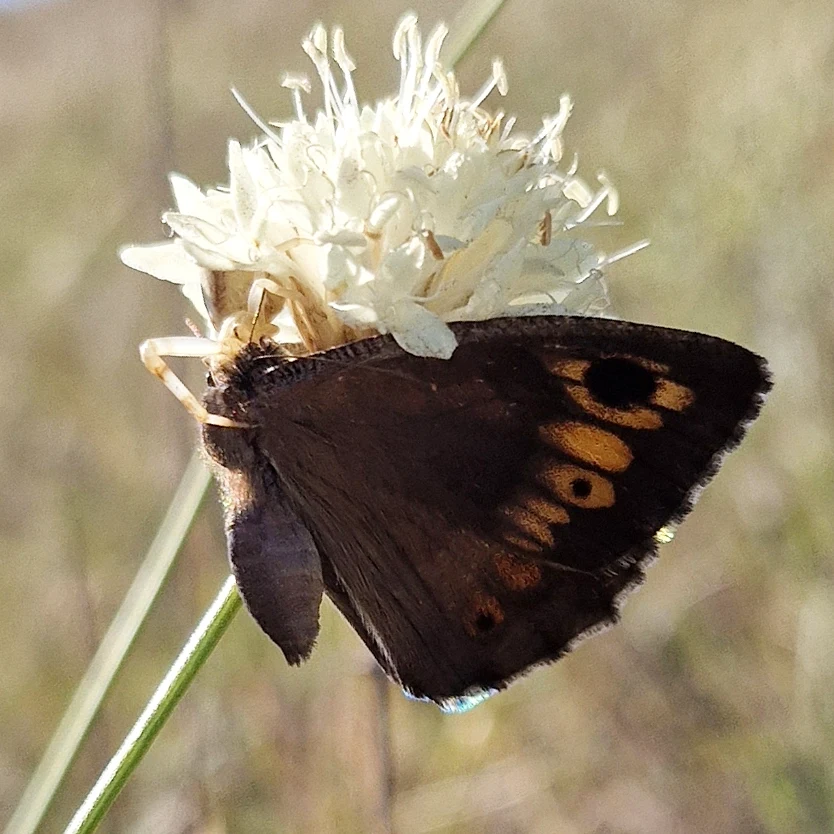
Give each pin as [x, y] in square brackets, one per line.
[223, 293]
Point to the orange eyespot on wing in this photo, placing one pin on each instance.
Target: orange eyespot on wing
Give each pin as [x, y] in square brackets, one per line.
[620, 388]
[484, 615]
[631, 418]
[577, 486]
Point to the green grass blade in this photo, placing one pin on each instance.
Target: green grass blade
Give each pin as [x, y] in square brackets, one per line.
[110, 655]
[468, 24]
[174, 685]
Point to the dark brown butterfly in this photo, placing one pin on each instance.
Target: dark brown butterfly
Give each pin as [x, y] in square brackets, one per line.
[476, 516]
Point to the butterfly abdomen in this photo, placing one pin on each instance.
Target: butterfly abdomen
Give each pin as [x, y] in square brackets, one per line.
[273, 557]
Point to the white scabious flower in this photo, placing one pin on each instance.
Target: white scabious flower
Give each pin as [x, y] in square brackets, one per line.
[397, 217]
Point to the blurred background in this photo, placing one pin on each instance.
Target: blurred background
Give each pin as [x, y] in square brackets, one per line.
[709, 709]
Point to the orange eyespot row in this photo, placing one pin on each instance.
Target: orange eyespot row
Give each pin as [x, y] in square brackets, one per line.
[533, 516]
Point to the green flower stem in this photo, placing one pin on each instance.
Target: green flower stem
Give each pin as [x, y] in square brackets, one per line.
[193, 655]
[110, 655]
[466, 27]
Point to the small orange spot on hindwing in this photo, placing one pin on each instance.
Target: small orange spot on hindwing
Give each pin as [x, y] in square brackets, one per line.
[532, 516]
[485, 614]
[590, 444]
[517, 574]
[577, 486]
[672, 395]
[543, 508]
[529, 524]
[632, 418]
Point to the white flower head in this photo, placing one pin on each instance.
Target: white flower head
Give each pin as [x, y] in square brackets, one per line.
[397, 217]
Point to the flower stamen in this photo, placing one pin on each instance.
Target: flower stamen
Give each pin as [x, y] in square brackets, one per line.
[297, 84]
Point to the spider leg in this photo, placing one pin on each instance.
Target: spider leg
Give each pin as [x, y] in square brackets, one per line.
[152, 351]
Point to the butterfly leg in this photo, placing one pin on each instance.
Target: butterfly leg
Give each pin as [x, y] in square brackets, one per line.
[311, 328]
[259, 289]
[152, 351]
[261, 304]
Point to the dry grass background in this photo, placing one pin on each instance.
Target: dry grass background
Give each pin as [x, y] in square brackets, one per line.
[710, 709]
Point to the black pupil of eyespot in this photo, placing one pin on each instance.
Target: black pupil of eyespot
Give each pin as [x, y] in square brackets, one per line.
[619, 382]
[581, 487]
[484, 621]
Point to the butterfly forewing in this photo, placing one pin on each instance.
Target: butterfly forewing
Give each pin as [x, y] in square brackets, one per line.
[474, 516]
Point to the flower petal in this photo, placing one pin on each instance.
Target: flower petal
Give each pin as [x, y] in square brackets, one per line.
[420, 332]
[166, 261]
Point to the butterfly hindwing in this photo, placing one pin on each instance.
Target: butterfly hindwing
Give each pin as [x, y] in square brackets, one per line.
[474, 516]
